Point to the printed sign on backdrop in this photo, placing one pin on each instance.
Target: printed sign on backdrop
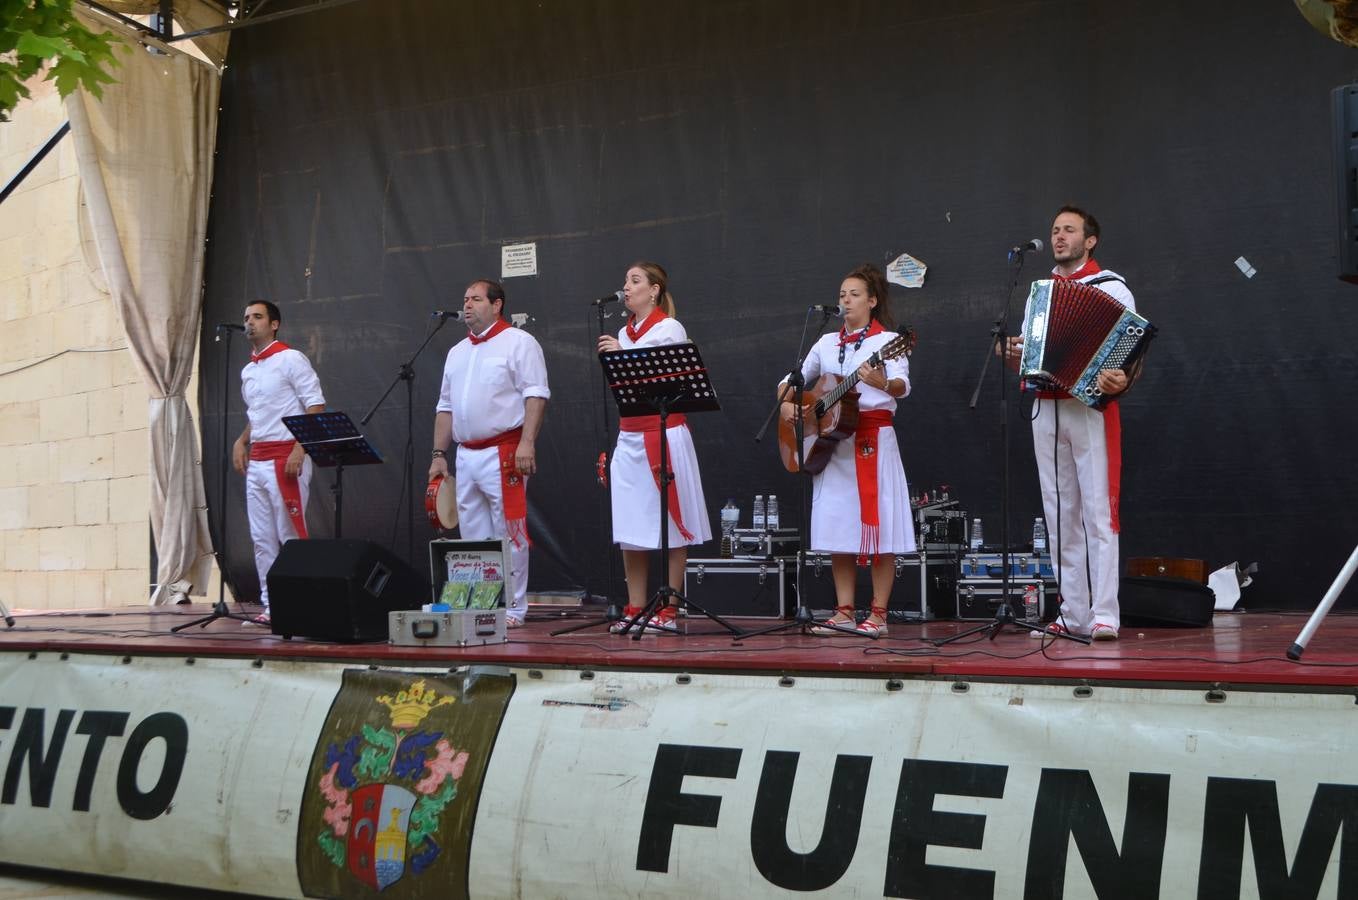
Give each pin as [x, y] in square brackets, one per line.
[518, 259]
[394, 783]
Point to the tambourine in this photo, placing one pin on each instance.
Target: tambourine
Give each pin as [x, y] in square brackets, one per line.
[440, 502]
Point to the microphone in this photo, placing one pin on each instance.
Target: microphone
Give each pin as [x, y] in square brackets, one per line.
[828, 309]
[227, 326]
[1033, 246]
[456, 315]
[615, 297]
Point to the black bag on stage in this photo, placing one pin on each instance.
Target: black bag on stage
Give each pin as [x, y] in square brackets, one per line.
[1156, 602]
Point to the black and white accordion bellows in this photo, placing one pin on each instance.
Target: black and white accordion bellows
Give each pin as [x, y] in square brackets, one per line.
[1071, 332]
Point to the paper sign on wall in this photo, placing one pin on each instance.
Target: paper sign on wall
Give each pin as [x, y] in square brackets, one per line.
[518, 259]
[906, 271]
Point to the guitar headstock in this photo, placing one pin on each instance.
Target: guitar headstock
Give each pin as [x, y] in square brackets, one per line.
[901, 345]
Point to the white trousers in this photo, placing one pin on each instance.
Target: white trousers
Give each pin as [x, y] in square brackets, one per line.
[270, 524]
[1080, 525]
[481, 517]
[636, 499]
[836, 522]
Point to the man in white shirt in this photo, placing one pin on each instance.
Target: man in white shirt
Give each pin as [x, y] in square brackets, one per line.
[492, 402]
[277, 381]
[1079, 455]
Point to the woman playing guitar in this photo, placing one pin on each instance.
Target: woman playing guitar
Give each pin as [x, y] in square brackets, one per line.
[861, 502]
[636, 498]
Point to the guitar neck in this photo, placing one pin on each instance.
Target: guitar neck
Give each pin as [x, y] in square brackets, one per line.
[848, 384]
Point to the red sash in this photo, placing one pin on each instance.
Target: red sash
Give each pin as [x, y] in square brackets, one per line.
[512, 493]
[649, 426]
[288, 487]
[1112, 435]
[275, 347]
[865, 462]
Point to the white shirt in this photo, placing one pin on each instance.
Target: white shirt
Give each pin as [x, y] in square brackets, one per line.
[281, 385]
[484, 385]
[1114, 287]
[824, 359]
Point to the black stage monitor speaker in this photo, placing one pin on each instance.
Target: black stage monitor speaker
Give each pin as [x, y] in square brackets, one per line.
[340, 590]
[1344, 126]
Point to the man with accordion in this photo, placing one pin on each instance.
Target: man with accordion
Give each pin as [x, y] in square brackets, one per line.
[1077, 430]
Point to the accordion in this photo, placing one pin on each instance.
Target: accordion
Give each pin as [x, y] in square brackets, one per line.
[1073, 331]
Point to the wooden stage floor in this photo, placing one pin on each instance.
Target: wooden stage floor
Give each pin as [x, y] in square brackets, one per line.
[1240, 649]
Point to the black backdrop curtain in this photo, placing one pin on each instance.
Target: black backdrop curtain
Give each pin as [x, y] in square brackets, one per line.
[373, 159]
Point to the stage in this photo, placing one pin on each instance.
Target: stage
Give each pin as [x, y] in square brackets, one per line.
[1245, 649]
[1173, 762]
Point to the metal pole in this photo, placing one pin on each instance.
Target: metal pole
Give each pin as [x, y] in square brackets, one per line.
[33, 161]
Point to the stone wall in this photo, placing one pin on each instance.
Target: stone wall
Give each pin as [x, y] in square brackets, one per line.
[74, 491]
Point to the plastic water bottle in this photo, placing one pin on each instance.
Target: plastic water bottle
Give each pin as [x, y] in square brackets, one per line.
[760, 520]
[1031, 613]
[976, 537]
[771, 513]
[730, 521]
[1039, 535]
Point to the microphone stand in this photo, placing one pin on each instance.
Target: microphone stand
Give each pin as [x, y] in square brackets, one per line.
[796, 385]
[999, 340]
[612, 612]
[219, 609]
[406, 373]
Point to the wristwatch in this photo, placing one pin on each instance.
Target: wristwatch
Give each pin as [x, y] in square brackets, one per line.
[439, 454]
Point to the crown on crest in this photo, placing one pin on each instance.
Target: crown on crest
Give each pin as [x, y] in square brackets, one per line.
[409, 707]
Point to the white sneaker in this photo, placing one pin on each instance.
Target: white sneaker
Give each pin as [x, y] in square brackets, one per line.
[628, 614]
[665, 620]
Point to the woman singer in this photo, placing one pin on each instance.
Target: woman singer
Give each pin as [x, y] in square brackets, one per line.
[860, 508]
[636, 459]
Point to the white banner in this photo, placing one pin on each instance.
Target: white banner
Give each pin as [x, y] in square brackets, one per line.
[632, 785]
[271, 780]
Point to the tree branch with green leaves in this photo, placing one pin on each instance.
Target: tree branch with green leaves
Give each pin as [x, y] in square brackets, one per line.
[38, 34]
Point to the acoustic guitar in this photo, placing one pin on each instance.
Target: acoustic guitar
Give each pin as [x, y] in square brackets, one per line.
[830, 411]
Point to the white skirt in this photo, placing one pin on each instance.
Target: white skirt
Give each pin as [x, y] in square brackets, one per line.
[836, 525]
[636, 500]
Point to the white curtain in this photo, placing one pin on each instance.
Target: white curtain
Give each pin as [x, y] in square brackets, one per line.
[144, 153]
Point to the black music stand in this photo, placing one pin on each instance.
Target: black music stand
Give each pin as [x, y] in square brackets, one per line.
[332, 439]
[669, 378]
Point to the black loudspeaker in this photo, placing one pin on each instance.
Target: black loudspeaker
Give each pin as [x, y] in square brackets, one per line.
[1155, 602]
[340, 590]
[1344, 126]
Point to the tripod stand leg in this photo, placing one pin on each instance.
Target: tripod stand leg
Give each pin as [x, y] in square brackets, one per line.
[612, 614]
[1340, 582]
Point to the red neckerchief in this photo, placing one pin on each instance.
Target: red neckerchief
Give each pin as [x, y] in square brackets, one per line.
[634, 334]
[860, 335]
[275, 347]
[499, 326]
[857, 337]
[1089, 268]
